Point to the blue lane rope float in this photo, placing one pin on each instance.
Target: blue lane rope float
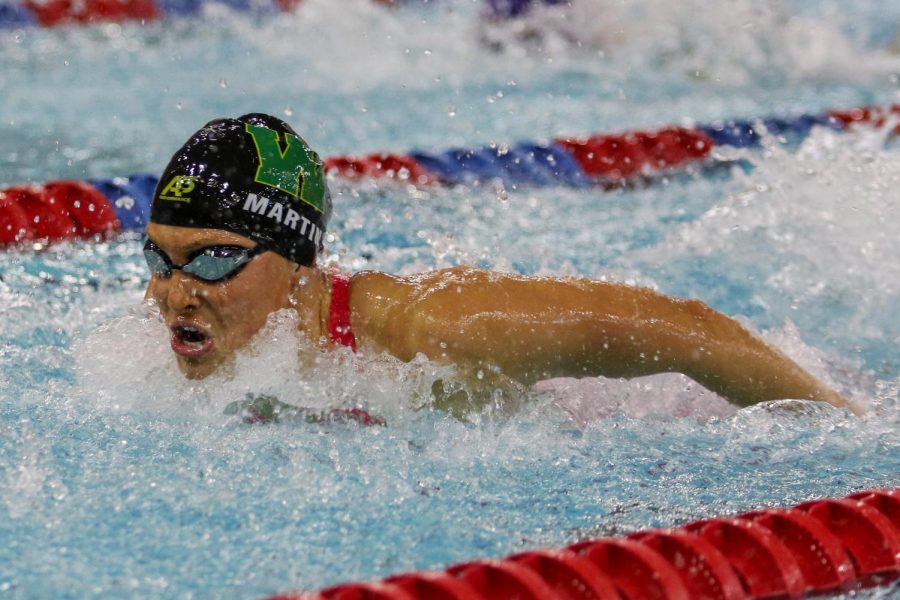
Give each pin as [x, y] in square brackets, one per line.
[512, 9]
[129, 197]
[51, 211]
[16, 15]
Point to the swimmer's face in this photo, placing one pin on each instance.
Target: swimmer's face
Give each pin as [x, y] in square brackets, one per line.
[209, 321]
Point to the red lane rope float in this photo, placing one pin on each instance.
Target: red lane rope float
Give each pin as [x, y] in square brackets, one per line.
[869, 537]
[379, 165]
[822, 560]
[817, 547]
[621, 156]
[571, 576]
[437, 586]
[59, 12]
[636, 569]
[502, 579]
[764, 564]
[86, 206]
[886, 502]
[54, 13]
[867, 115]
[14, 227]
[706, 573]
[46, 218]
[59, 210]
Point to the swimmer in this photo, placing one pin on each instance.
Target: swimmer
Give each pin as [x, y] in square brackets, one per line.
[237, 223]
[510, 9]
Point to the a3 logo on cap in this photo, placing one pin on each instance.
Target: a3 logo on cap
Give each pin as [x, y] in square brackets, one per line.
[178, 189]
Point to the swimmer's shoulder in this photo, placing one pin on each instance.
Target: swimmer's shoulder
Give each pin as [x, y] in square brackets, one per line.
[387, 310]
[461, 287]
[373, 291]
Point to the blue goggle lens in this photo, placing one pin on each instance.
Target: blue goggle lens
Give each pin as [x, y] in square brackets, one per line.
[211, 264]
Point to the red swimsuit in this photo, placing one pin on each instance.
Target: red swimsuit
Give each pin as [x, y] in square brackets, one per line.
[342, 334]
[339, 312]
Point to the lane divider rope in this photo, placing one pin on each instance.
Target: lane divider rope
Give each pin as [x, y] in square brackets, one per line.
[818, 547]
[61, 210]
[56, 13]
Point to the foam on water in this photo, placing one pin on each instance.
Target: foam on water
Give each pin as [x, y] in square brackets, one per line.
[278, 362]
[131, 462]
[802, 231]
[126, 479]
[732, 43]
[336, 70]
[120, 478]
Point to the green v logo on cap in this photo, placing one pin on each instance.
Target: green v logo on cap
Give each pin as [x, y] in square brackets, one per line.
[296, 170]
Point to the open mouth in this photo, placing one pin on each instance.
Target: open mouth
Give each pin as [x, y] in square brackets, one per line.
[191, 341]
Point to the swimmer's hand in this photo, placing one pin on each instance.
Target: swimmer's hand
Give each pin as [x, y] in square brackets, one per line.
[268, 409]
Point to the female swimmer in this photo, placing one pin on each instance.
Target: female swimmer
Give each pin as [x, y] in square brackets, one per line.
[237, 222]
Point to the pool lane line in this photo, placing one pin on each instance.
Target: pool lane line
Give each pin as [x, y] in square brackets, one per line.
[60, 210]
[58, 13]
[817, 547]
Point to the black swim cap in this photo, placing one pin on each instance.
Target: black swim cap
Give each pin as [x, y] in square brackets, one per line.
[253, 176]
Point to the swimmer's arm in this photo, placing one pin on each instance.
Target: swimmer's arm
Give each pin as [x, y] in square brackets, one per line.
[538, 328]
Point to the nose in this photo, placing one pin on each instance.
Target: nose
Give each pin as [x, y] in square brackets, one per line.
[180, 292]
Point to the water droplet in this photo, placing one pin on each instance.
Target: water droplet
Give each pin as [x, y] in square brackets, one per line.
[223, 83]
[288, 111]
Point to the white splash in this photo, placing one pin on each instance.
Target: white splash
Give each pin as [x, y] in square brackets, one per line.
[823, 220]
[735, 42]
[825, 214]
[665, 395]
[10, 299]
[127, 364]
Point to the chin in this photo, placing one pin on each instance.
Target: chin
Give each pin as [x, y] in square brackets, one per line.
[194, 369]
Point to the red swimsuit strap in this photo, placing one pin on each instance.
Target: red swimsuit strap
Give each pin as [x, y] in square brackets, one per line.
[339, 313]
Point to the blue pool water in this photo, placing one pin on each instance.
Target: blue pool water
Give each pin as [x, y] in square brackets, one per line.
[120, 479]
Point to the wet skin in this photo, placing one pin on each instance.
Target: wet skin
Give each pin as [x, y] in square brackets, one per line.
[209, 321]
[525, 328]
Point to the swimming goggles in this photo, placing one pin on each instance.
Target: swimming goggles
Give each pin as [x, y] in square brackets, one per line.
[210, 264]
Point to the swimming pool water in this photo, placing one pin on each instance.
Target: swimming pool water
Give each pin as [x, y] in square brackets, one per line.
[120, 479]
